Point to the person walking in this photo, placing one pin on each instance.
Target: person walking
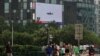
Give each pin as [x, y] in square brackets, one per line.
[56, 50]
[49, 50]
[76, 50]
[91, 51]
[67, 52]
[8, 49]
[62, 51]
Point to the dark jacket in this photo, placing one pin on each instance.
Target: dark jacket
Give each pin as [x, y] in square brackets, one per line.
[8, 48]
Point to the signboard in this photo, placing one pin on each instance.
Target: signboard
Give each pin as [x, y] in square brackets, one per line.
[78, 31]
[48, 12]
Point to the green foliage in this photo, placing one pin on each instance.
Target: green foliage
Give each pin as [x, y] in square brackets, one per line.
[36, 34]
[23, 50]
[3, 25]
[23, 38]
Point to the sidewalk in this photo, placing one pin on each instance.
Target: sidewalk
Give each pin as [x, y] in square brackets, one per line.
[84, 55]
[88, 55]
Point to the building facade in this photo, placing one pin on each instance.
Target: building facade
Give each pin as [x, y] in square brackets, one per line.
[17, 11]
[97, 12]
[80, 11]
[1, 6]
[74, 11]
[20, 10]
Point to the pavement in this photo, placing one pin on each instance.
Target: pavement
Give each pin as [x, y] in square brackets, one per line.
[97, 54]
[88, 55]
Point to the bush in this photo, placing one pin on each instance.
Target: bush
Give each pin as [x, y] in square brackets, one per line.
[24, 50]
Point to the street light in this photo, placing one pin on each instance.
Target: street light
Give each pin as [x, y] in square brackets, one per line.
[12, 31]
[46, 27]
[50, 38]
[14, 11]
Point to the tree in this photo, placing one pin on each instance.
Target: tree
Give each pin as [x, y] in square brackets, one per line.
[1, 24]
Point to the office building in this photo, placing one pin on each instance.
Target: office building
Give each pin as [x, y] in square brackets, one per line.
[80, 11]
[17, 11]
[1, 7]
[20, 10]
[74, 11]
[97, 12]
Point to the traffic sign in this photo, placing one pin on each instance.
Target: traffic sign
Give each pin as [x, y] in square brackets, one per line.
[78, 31]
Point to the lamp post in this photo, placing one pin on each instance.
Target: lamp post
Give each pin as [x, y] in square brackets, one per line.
[46, 27]
[50, 38]
[14, 11]
[12, 31]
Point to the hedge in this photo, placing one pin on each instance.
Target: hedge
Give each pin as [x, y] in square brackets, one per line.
[24, 50]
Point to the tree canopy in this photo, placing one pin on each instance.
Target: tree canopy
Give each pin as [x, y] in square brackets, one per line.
[36, 34]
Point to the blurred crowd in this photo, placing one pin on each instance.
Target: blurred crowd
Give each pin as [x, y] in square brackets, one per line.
[67, 49]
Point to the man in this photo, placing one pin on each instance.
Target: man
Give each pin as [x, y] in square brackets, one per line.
[91, 51]
[8, 49]
[62, 51]
[76, 50]
[49, 50]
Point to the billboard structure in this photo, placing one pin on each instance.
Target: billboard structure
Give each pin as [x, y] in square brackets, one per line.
[48, 12]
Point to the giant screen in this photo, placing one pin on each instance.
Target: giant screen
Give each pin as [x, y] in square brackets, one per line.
[49, 12]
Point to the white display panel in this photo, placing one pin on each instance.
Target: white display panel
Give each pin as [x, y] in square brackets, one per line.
[48, 12]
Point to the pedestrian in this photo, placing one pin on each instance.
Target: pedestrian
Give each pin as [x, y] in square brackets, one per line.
[91, 51]
[62, 51]
[49, 50]
[8, 49]
[56, 50]
[67, 50]
[76, 50]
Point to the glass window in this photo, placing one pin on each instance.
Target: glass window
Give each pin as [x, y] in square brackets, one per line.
[25, 6]
[7, 21]
[34, 0]
[69, 0]
[24, 0]
[53, 1]
[80, 0]
[21, 14]
[19, 21]
[6, 0]
[33, 16]
[99, 11]
[6, 7]
[58, 1]
[28, 10]
[9, 0]
[14, 11]
[99, 2]
[79, 5]
[32, 5]
[99, 20]
[61, 2]
[24, 22]
[19, 0]
[47, 1]
[43, 1]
